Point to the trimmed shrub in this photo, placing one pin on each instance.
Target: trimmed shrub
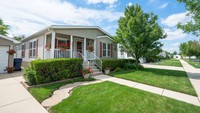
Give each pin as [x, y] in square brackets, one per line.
[51, 70]
[29, 75]
[114, 63]
[117, 69]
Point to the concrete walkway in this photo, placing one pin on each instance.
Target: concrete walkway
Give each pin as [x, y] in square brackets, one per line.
[194, 76]
[162, 67]
[14, 98]
[164, 92]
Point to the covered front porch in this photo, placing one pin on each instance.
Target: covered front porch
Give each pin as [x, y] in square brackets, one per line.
[59, 45]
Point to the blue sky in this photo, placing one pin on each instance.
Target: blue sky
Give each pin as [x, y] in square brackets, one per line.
[25, 17]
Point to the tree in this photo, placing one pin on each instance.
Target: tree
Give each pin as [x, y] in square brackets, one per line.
[138, 32]
[193, 26]
[20, 37]
[174, 53]
[183, 49]
[196, 49]
[3, 28]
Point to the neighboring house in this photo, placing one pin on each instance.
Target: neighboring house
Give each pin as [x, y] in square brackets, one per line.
[6, 60]
[80, 41]
[177, 56]
[124, 55]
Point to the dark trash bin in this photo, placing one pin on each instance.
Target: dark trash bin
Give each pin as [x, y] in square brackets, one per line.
[17, 64]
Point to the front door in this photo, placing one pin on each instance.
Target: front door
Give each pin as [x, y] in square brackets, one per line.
[79, 47]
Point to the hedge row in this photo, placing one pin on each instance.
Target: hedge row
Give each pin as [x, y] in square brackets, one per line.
[115, 63]
[45, 71]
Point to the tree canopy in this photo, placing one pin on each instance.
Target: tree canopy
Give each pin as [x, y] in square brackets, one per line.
[190, 48]
[193, 26]
[3, 28]
[138, 32]
[20, 37]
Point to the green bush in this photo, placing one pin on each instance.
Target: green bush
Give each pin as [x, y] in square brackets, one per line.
[128, 66]
[117, 69]
[114, 63]
[45, 71]
[29, 75]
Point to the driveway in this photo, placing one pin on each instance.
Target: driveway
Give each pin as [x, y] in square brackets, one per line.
[14, 98]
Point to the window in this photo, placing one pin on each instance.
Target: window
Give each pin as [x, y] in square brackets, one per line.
[61, 41]
[108, 49]
[129, 55]
[32, 49]
[122, 53]
[23, 51]
[104, 49]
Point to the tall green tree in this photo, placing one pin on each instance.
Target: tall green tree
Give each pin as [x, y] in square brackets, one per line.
[138, 32]
[193, 26]
[196, 48]
[20, 37]
[183, 49]
[3, 28]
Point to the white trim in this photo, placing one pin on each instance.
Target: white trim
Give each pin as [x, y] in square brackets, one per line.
[71, 46]
[33, 40]
[9, 39]
[52, 44]
[105, 37]
[84, 48]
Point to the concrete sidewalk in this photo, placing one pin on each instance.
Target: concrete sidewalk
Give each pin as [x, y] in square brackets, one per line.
[162, 67]
[14, 98]
[164, 92]
[194, 76]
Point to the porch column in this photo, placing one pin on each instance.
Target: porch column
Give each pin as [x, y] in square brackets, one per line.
[84, 49]
[45, 42]
[52, 44]
[71, 45]
[95, 46]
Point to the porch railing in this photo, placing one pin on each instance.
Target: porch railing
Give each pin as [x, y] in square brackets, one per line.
[61, 54]
[86, 63]
[47, 54]
[92, 57]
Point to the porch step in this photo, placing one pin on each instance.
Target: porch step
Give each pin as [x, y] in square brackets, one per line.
[93, 67]
[95, 70]
[97, 73]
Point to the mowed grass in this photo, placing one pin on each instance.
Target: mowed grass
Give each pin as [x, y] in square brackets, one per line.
[168, 79]
[43, 92]
[194, 64]
[170, 62]
[108, 97]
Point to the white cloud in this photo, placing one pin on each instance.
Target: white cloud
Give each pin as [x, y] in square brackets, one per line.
[130, 4]
[25, 17]
[110, 2]
[163, 5]
[173, 19]
[174, 34]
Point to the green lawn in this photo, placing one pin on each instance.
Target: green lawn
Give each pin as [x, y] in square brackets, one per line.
[170, 62]
[168, 79]
[194, 64]
[43, 92]
[108, 97]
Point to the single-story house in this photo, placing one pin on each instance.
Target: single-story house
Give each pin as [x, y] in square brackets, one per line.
[6, 60]
[177, 56]
[123, 55]
[63, 41]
